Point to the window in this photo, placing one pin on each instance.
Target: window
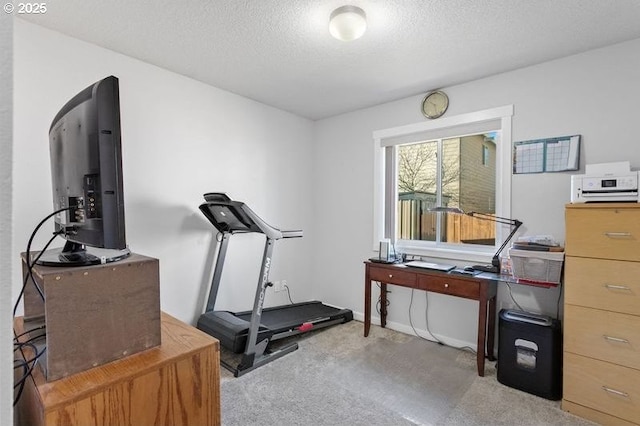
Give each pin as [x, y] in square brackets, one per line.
[445, 173]
[485, 154]
[459, 162]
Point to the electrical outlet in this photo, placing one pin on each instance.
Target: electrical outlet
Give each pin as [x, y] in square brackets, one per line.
[284, 285]
[278, 286]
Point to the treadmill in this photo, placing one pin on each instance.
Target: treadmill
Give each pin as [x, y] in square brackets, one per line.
[251, 332]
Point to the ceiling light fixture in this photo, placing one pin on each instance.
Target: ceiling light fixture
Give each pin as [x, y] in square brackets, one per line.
[347, 23]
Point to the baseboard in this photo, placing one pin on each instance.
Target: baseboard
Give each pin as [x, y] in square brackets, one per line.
[406, 329]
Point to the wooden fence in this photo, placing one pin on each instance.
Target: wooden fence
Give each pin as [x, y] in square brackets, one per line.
[416, 222]
[463, 228]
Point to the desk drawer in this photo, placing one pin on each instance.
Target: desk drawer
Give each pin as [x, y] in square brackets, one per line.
[392, 275]
[603, 284]
[602, 386]
[452, 286]
[604, 335]
[601, 232]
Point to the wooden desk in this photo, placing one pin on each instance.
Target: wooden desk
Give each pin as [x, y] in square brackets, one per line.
[176, 383]
[477, 288]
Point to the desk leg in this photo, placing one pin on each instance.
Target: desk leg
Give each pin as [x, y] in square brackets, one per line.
[482, 328]
[491, 329]
[383, 305]
[367, 302]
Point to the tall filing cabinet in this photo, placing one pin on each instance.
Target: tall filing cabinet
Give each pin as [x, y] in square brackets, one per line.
[601, 362]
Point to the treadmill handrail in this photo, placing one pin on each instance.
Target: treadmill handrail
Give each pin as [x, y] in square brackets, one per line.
[296, 233]
[270, 231]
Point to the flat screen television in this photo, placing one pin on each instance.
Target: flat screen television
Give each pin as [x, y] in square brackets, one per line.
[86, 177]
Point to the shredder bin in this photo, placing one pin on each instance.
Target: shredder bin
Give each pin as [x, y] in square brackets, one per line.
[530, 353]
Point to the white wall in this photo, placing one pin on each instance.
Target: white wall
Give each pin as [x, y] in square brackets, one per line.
[6, 79]
[180, 139]
[592, 94]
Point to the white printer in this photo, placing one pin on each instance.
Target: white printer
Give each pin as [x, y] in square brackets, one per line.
[610, 182]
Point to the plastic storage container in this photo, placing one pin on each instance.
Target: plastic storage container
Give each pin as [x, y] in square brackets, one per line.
[530, 353]
[537, 266]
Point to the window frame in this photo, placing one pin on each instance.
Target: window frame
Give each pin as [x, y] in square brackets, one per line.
[385, 189]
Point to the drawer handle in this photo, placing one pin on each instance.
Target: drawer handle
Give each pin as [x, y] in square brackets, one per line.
[615, 339]
[617, 287]
[618, 234]
[615, 392]
[446, 285]
[390, 276]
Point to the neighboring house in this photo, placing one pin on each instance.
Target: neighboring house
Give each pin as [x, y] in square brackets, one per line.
[467, 181]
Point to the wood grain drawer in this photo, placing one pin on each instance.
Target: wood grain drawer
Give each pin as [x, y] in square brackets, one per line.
[392, 275]
[602, 386]
[594, 415]
[603, 232]
[604, 335]
[451, 286]
[603, 284]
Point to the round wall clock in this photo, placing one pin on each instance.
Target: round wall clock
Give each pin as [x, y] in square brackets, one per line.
[435, 104]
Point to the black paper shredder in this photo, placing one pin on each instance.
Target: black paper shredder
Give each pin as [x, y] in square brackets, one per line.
[530, 353]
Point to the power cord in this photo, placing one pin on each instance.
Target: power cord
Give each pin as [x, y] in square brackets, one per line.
[29, 273]
[426, 314]
[426, 318]
[33, 234]
[379, 302]
[288, 293]
[27, 365]
[512, 298]
[379, 306]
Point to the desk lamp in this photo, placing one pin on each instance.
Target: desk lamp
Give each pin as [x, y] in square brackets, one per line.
[514, 223]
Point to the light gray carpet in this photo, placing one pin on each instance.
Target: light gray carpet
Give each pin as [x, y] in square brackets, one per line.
[339, 377]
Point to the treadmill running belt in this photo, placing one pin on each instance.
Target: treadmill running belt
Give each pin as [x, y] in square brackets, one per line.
[232, 328]
[288, 316]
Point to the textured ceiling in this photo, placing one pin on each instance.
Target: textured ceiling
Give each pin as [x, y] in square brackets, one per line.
[279, 52]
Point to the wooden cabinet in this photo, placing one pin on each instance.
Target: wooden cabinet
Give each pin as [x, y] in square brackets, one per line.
[601, 364]
[176, 383]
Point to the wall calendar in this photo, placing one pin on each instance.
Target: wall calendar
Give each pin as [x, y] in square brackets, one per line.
[547, 155]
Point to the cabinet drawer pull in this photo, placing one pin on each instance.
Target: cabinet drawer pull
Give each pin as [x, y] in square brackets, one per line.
[390, 276]
[615, 392]
[618, 234]
[446, 285]
[617, 287]
[615, 339]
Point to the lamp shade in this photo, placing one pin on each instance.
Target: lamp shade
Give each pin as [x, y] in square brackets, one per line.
[454, 210]
[347, 23]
